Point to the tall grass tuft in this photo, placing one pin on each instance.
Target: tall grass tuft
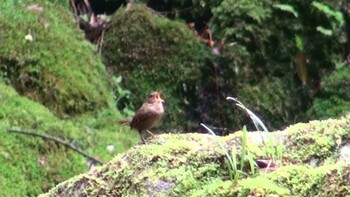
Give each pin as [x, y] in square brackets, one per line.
[232, 159]
[236, 169]
[272, 151]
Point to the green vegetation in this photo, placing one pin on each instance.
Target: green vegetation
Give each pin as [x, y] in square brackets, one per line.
[331, 180]
[278, 77]
[276, 55]
[236, 161]
[235, 164]
[194, 165]
[151, 52]
[47, 72]
[54, 65]
[315, 146]
[334, 99]
[20, 155]
[286, 59]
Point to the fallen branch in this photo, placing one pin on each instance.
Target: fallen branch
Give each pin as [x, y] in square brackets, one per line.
[56, 139]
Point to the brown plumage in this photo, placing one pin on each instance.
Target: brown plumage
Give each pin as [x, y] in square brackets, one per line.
[149, 114]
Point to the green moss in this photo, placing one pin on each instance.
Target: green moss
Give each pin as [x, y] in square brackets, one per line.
[168, 171]
[60, 70]
[216, 188]
[20, 154]
[194, 165]
[64, 4]
[261, 187]
[57, 68]
[299, 179]
[329, 180]
[326, 136]
[154, 53]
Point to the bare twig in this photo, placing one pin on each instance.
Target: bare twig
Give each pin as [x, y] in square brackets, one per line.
[100, 41]
[55, 139]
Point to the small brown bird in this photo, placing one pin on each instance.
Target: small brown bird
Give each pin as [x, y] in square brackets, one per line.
[149, 114]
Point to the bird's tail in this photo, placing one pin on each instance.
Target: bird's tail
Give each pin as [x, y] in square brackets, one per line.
[125, 122]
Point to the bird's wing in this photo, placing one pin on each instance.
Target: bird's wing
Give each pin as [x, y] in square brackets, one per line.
[140, 116]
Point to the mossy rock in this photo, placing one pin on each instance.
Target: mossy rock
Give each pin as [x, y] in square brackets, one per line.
[151, 52]
[195, 165]
[30, 165]
[44, 56]
[295, 180]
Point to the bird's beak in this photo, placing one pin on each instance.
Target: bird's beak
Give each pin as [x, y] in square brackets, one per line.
[160, 99]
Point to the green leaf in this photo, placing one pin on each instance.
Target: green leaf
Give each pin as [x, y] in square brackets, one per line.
[329, 11]
[299, 42]
[287, 8]
[324, 31]
[118, 79]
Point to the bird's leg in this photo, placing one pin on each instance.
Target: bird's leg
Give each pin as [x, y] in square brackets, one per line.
[142, 138]
[150, 133]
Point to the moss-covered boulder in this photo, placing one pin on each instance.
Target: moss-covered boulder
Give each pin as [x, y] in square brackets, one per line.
[194, 165]
[47, 71]
[31, 165]
[44, 56]
[151, 52]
